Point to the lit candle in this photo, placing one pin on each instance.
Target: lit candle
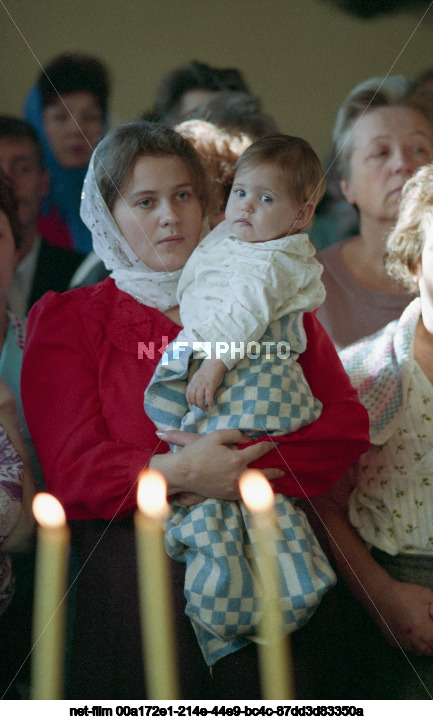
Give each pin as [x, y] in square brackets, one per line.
[276, 672]
[155, 588]
[48, 652]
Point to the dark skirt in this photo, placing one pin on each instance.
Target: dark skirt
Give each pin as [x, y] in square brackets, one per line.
[106, 659]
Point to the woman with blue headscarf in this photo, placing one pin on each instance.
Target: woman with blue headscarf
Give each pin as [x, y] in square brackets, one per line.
[68, 109]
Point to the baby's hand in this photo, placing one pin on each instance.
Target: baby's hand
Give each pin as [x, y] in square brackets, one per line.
[202, 386]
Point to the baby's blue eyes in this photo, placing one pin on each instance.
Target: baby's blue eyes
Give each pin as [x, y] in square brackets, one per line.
[145, 203]
[263, 198]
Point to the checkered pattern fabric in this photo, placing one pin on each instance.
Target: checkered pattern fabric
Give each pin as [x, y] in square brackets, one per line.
[215, 540]
[264, 394]
[223, 586]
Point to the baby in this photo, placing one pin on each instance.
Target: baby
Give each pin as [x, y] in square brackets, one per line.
[249, 280]
[277, 185]
[252, 270]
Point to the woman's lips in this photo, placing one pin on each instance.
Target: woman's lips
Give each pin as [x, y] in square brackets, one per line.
[171, 240]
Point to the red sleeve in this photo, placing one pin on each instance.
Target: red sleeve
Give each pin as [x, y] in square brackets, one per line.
[88, 468]
[319, 454]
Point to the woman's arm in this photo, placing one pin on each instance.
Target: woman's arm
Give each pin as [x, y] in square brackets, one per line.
[403, 611]
[318, 455]
[72, 403]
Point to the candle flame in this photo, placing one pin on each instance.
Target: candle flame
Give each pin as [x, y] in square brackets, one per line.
[48, 511]
[151, 496]
[256, 492]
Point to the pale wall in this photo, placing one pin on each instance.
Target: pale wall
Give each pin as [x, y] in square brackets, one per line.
[300, 56]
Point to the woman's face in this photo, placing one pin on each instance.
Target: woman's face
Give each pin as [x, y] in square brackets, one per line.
[73, 126]
[158, 212]
[8, 255]
[389, 144]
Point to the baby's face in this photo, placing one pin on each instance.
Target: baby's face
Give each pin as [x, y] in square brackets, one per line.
[259, 207]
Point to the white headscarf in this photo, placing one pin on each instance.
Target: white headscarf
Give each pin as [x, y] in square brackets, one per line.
[154, 288]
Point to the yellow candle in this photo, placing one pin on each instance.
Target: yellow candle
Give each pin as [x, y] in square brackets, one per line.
[276, 673]
[155, 589]
[49, 613]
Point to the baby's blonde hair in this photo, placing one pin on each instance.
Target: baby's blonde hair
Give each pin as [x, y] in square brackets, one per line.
[405, 242]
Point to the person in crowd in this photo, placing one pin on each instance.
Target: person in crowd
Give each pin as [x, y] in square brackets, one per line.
[15, 635]
[185, 88]
[83, 393]
[379, 516]
[68, 108]
[16, 527]
[41, 266]
[235, 112]
[13, 326]
[249, 281]
[383, 133]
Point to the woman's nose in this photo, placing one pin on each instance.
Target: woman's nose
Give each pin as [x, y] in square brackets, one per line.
[168, 214]
[405, 162]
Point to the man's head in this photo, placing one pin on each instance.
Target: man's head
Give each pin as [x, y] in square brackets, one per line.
[21, 159]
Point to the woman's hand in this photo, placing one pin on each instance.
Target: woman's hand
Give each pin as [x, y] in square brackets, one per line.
[405, 617]
[210, 465]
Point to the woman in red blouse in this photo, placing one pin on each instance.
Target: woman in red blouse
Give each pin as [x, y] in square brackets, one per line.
[89, 356]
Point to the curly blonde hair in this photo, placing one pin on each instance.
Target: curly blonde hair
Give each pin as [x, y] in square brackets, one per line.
[218, 150]
[405, 242]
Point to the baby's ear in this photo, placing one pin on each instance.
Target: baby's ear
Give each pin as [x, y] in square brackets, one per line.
[304, 217]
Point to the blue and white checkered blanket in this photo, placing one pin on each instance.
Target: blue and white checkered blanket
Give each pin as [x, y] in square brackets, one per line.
[263, 394]
[223, 588]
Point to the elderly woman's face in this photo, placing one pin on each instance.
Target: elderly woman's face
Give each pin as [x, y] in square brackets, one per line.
[389, 144]
[158, 212]
[8, 255]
